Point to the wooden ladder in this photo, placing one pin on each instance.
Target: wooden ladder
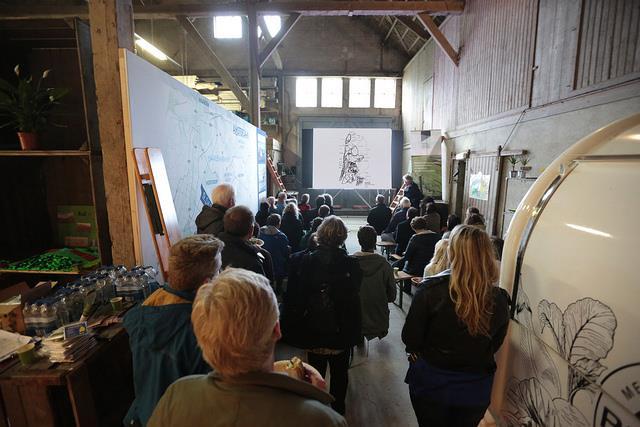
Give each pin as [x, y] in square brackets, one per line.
[274, 174]
[396, 200]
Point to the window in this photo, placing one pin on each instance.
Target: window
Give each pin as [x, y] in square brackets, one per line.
[306, 92]
[331, 92]
[385, 93]
[227, 27]
[359, 92]
[274, 23]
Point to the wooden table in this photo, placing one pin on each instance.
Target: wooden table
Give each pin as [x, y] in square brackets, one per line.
[94, 391]
[400, 277]
[386, 247]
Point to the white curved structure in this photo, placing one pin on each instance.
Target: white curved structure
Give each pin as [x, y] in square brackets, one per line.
[571, 261]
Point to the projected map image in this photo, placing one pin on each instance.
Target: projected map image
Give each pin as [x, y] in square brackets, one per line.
[351, 158]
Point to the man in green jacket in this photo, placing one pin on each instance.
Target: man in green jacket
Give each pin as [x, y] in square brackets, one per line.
[161, 337]
[377, 288]
[235, 319]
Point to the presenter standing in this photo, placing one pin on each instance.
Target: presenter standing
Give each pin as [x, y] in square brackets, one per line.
[412, 191]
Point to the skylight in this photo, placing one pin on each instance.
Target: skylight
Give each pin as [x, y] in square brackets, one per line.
[227, 27]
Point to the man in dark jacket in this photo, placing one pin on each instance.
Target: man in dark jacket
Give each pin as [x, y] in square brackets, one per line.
[321, 309]
[238, 252]
[209, 220]
[412, 191]
[420, 248]
[161, 337]
[399, 216]
[404, 231]
[380, 215]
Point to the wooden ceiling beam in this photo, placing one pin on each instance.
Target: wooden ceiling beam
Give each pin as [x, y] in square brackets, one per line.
[277, 60]
[217, 64]
[440, 38]
[199, 10]
[417, 29]
[275, 42]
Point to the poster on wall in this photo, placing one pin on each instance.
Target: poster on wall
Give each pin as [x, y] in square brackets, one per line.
[479, 186]
[262, 165]
[351, 158]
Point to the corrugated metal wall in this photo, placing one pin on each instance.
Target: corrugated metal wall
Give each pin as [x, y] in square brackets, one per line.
[494, 75]
[609, 48]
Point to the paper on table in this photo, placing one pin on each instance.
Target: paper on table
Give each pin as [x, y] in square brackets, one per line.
[10, 342]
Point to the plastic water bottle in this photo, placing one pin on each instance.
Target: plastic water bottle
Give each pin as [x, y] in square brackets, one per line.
[63, 312]
[48, 319]
[28, 320]
[36, 319]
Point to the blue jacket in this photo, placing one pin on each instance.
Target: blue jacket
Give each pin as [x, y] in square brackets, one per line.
[276, 242]
[163, 348]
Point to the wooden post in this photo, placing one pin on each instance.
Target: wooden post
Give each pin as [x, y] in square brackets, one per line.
[254, 66]
[112, 28]
[439, 38]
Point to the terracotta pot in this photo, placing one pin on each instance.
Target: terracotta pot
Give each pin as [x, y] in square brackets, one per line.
[28, 140]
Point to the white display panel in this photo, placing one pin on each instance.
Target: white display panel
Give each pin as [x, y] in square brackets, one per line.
[351, 158]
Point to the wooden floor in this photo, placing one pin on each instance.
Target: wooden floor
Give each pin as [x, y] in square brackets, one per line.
[377, 393]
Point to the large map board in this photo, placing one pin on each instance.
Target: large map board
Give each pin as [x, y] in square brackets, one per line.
[203, 144]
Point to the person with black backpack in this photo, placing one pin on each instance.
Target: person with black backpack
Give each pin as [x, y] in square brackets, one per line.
[321, 306]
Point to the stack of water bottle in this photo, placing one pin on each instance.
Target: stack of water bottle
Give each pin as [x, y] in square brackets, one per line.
[70, 302]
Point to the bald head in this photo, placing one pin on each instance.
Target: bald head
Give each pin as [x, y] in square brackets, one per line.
[224, 195]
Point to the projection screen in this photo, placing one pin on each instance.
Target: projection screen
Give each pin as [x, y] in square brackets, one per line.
[351, 158]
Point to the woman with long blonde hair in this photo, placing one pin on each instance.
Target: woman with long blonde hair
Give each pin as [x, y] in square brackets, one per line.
[440, 260]
[457, 321]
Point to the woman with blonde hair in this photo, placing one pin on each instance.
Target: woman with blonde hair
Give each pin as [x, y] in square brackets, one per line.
[440, 260]
[457, 321]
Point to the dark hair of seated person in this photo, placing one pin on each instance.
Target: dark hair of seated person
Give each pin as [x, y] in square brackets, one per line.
[319, 201]
[412, 213]
[273, 219]
[238, 221]
[367, 237]
[315, 223]
[324, 211]
[452, 221]
[431, 208]
[475, 219]
[418, 223]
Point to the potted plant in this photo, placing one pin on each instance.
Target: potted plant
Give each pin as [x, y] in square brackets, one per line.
[524, 161]
[27, 106]
[513, 173]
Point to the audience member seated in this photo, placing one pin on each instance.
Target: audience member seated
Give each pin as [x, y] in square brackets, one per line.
[281, 203]
[209, 220]
[235, 320]
[238, 251]
[380, 215]
[161, 338]
[313, 213]
[424, 203]
[470, 211]
[272, 205]
[411, 191]
[457, 321]
[291, 226]
[404, 232]
[420, 248]
[306, 240]
[321, 307]
[433, 218]
[378, 287]
[452, 221]
[328, 200]
[440, 260]
[277, 244]
[304, 205]
[263, 214]
[399, 216]
[475, 220]
[324, 211]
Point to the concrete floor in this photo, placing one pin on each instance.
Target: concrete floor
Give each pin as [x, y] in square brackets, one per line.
[377, 393]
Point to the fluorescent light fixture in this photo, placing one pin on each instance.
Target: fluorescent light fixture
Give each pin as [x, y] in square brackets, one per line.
[589, 230]
[150, 49]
